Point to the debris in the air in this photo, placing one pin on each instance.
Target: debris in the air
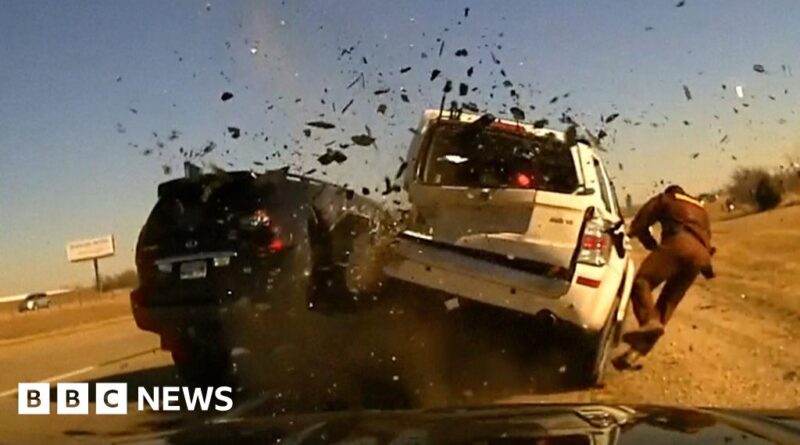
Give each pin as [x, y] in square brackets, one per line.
[133, 110]
[208, 6]
[234, 132]
[687, 93]
[648, 28]
[507, 84]
[331, 156]
[470, 106]
[441, 48]
[448, 86]
[253, 50]
[541, 123]
[119, 79]
[434, 74]
[759, 68]
[517, 113]
[321, 124]
[470, 70]
[463, 89]
[466, 12]
[611, 118]
[494, 58]
[344, 110]
[461, 53]
[166, 169]
[363, 140]
[173, 135]
[739, 91]
[382, 108]
[355, 81]
[365, 191]
[405, 69]
[401, 169]
[695, 155]
[686, 123]
[680, 4]
[210, 146]
[258, 163]
[601, 134]
[554, 99]
[120, 128]
[307, 132]
[382, 91]
[404, 97]
[226, 96]
[621, 167]
[364, 60]
[724, 139]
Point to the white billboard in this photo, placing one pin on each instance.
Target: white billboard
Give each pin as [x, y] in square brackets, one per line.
[90, 248]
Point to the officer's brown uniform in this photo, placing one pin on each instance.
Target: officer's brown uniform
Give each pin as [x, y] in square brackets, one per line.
[685, 252]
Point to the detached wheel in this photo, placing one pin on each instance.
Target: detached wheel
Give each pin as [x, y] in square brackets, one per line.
[203, 368]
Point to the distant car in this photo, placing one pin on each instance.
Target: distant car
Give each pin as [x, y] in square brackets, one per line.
[34, 302]
[511, 215]
[225, 249]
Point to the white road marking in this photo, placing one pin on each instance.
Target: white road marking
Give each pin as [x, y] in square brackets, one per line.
[56, 378]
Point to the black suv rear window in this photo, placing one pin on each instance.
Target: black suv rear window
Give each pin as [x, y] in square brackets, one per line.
[496, 157]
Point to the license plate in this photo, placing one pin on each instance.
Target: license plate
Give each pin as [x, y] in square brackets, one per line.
[193, 270]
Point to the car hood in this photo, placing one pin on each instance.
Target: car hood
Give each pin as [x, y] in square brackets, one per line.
[500, 425]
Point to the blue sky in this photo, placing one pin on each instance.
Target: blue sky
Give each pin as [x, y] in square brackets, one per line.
[71, 149]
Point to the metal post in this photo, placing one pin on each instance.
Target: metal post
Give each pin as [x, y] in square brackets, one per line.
[97, 284]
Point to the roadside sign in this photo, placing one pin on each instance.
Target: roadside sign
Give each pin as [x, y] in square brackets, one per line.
[88, 249]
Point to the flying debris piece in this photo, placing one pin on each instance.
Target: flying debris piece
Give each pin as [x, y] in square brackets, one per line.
[382, 91]
[507, 84]
[517, 113]
[364, 60]
[687, 93]
[133, 110]
[463, 89]
[365, 191]
[724, 139]
[461, 53]
[621, 167]
[120, 128]
[344, 110]
[382, 108]
[759, 68]
[441, 48]
[495, 59]
[434, 74]
[258, 163]
[686, 123]
[466, 12]
[147, 152]
[363, 139]
[307, 132]
[119, 79]
[254, 50]
[739, 91]
[210, 146]
[448, 86]
[611, 118]
[234, 132]
[541, 123]
[470, 70]
[401, 169]
[166, 169]
[648, 28]
[321, 124]
[405, 69]
[695, 155]
[471, 107]
[226, 96]
[173, 135]
[771, 97]
[355, 81]
[554, 99]
[680, 4]
[404, 98]
[331, 156]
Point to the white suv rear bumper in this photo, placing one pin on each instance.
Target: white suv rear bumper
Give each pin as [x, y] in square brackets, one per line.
[472, 278]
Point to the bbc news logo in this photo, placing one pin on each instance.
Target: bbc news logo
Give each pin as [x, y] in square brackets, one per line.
[112, 398]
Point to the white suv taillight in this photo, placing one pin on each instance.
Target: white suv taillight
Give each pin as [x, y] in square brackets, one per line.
[595, 244]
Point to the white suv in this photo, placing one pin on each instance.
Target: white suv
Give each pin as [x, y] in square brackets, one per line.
[519, 217]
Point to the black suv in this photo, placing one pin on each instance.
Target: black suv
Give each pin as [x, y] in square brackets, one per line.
[224, 254]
